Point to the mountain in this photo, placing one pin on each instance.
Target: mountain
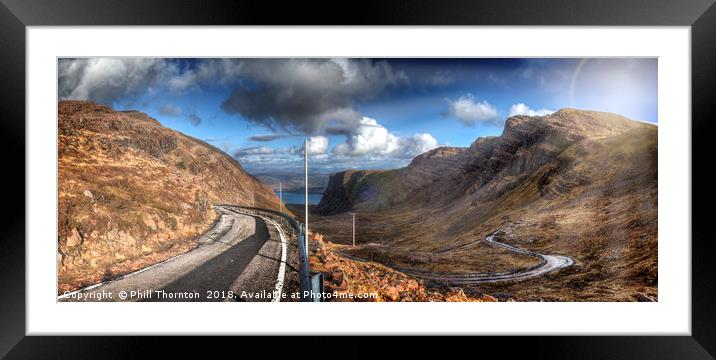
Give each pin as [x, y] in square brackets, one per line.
[489, 167]
[581, 183]
[375, 190]
[132, 192]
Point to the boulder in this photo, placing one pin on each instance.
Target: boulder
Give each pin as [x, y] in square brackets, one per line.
[390, 293]
[337, 276]
[641, 297]
[74, 239]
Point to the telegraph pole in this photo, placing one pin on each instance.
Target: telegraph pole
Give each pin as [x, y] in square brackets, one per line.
[354, 229]
[305, 170]
[280, 198]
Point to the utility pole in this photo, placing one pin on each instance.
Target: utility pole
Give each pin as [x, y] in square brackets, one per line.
[354, 229]
[280, 198]
[305, 169]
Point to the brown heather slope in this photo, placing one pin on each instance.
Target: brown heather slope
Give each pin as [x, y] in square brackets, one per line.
[132, 192]
[578, 183]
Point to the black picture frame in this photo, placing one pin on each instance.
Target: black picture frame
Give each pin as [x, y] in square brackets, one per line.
[16, 15]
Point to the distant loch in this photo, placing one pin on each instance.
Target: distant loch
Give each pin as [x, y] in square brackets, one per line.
[299, 198]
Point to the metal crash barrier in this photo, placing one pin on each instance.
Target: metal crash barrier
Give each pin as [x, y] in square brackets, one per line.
[311, 284]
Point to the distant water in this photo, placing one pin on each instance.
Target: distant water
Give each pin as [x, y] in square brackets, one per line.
[298, 198]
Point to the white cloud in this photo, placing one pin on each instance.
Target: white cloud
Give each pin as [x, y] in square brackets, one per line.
[441, 78]
[417, 144]
[369, 145]
[471, 111]
[522, 109]
[317, 145]
[367, 137]
[370, 139]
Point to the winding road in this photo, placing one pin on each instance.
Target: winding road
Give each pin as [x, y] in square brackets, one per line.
[243, 257]
[549, 263]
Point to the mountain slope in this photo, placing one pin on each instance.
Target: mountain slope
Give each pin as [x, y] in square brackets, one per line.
[492, 165]
[132, 192]
[579, 183]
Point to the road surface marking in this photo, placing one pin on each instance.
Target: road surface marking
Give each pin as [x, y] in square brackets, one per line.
[212, 231]
[282, 267]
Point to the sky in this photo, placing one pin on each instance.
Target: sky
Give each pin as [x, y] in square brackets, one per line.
[358, 113]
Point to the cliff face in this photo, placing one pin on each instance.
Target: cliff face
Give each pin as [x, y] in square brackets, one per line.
[364, 190]
[336, 198]
[132, 192]
[496, 165]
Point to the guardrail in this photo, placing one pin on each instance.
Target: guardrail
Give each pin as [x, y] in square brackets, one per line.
[311, 284]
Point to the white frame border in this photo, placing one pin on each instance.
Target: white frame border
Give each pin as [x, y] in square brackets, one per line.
[670, 316]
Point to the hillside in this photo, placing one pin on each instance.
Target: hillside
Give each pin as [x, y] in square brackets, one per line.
[132, 192]
[579, 183]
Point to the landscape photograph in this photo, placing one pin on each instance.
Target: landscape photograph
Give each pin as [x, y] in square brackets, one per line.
[357, 179]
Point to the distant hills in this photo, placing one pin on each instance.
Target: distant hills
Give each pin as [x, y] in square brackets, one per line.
[132, 192]
[294, 181]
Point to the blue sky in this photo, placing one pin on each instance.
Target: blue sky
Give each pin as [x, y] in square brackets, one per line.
[360, 113]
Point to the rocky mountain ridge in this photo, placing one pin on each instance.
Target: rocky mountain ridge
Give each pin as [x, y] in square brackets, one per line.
[526, 144]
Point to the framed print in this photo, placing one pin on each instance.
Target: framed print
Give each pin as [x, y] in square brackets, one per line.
[470, 173]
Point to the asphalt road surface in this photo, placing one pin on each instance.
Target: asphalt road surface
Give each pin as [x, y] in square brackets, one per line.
[242, 258]
[549, 263]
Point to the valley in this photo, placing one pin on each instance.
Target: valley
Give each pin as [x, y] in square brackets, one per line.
[561, 207]
[581, 184]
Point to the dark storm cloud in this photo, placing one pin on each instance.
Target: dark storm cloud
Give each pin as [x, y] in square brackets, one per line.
[267, 138]
[304, 95]
[194, 119]
[106, 80]
[290, 95]
[169, 110]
